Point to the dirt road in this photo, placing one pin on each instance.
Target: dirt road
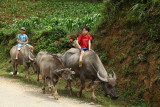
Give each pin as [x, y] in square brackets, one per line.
[16, 94]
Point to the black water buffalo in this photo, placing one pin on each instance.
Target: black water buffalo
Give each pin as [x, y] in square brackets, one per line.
[92, 69]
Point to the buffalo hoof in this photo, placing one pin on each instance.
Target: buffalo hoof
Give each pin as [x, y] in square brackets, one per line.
[14, 73]
[71, 93]
[43, 90]
[56, 97]
[79, 94]
[94, 98]
[50, 89]
[114, 98]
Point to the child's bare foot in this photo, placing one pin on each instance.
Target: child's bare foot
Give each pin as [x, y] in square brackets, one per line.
[80, 63]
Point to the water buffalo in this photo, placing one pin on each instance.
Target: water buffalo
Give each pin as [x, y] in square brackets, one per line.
[25, 57]
[92, 69]
[51, 69]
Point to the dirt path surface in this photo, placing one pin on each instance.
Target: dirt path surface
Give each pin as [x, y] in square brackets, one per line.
[15, 94]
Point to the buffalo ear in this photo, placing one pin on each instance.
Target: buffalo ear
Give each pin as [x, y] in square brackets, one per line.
[73, 72]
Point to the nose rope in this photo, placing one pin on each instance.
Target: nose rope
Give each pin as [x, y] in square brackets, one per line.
[93, 67]
[111, 94]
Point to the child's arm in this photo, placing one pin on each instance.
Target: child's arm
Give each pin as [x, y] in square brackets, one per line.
[79, 47]
[89, 45]
[19, 41]
[26, 41]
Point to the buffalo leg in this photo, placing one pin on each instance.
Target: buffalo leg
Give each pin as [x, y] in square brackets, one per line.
[38, 75]
[69, 88]
[34, 66]
[27, 71]
[54, 89]
[93, 87]
[14, 68]
[54, 92]
[82, 87]
[43, 87]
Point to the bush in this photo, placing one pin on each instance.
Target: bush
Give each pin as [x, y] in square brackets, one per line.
[8, 39]
[54, 41]
[2, 24]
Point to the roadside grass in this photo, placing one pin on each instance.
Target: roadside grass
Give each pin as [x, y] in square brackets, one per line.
[5, 69]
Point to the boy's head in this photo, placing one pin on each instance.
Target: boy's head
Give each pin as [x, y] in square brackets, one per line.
[22, 30]
[85, 30]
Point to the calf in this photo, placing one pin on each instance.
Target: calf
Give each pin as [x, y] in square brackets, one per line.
[51, 69]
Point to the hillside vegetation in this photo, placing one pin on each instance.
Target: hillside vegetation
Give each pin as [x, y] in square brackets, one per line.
[128, 41]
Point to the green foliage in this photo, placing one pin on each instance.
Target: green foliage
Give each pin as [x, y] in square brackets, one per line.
[140, 103]
[53, 40]
[51, 22]
[126, 70]
[8, 39]
[139, 15]
[127, 93]
[142, 57]
[104, 57]
[111, 62]
[2, 24]
[112, 69]
[43, 8]
[134, 61]
[122, 57]
[115, 41]
[157, 56]
[158, 68]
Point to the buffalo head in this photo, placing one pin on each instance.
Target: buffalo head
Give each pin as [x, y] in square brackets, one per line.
[66, 73]
[109, 84]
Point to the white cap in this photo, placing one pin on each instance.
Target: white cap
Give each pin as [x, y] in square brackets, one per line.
[23, 28]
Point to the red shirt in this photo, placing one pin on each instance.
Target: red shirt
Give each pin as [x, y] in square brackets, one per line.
[84, 40]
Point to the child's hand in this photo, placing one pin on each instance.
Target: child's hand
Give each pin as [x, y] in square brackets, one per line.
[21, 43]
[80, 48]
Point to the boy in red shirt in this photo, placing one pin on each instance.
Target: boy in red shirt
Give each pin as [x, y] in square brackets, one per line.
[84, 43]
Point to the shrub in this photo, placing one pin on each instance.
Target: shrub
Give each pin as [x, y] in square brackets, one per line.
[54, 40]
